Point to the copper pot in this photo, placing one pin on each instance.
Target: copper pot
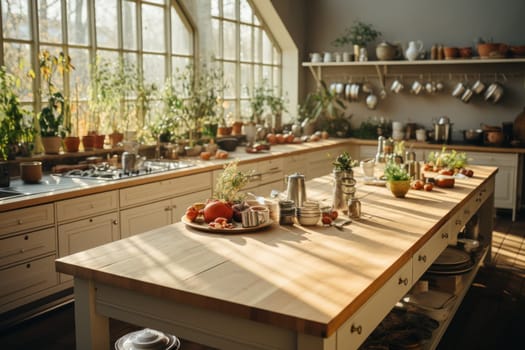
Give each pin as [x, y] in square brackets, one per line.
[493, 137]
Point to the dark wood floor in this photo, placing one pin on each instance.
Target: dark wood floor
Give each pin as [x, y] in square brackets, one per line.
[492, 316]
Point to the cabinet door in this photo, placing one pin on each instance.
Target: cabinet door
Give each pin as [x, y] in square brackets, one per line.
[295, 163]
[26, 219]
[25, 279]
[27, 245]
[357, 328]
[88, 233]
[144, 218]
[85, 206]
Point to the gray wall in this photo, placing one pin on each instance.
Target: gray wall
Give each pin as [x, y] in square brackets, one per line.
[449, 22]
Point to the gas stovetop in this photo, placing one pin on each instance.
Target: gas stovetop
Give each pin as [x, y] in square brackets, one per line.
[104, 171]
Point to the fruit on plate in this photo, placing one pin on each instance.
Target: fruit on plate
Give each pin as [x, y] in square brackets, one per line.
[428, 186]
[221, 223]
[215, 209]
[417, 184]
[191, 213]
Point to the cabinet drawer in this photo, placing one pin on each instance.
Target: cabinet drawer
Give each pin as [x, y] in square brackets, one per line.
[164, 189]
[25, 279]
[94, 204]
[180, 204]
[27, 245]
[494, 159]
[146, 217]
[26, 219]
[426, 255]
[357, 328]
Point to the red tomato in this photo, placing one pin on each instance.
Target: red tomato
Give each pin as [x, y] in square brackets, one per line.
[428, 186]
[326, 220]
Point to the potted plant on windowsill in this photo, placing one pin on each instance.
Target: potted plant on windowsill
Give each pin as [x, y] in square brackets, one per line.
[398, 179]
[52, 117]
[16, 124]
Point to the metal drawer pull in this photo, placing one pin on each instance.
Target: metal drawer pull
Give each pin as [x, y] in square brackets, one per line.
[28, 266]
[403, 281]
[444, 235]
[422, 258]
[458, 222]
[115, 222]
[356, 329]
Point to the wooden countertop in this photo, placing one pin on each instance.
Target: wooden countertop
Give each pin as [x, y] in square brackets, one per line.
[309, 279]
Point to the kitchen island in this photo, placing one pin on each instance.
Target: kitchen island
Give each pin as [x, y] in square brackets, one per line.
[286, 287]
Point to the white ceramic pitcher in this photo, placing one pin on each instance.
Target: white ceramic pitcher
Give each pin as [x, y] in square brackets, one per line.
[414, 49]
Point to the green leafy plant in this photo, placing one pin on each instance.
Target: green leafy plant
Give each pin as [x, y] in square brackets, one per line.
[396, 172]
[16, 123]
[55, 118]
[359, 33]
[449, 160]
[343, 162]
[229, 184]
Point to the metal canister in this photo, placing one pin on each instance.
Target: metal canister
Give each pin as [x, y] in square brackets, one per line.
[354, 208]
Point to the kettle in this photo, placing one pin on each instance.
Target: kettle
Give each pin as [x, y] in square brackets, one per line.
[443, 130]
[129, 161]
[296, 189]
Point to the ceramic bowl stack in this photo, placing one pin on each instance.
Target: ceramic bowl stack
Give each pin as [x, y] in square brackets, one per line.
[309, 214]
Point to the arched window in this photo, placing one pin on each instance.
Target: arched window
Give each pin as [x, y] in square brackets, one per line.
[249, 55]
[151, 36]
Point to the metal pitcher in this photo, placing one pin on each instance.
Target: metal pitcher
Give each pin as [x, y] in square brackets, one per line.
[296, 189]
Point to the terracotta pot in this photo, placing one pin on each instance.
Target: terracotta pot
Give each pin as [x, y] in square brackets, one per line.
[237, 128]
[88, 142]
[51, 144]
[71, 143]
[225, 130]
[99, 141]
[115, 138]
[451, 52]
[492, 50]
[399, 188]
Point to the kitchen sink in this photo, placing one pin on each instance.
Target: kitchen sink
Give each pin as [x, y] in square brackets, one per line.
[7, 193]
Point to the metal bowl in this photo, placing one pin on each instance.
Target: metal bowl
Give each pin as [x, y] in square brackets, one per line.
[228, 143]
[473, 135]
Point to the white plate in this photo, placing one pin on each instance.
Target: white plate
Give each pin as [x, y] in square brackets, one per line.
[237, 228]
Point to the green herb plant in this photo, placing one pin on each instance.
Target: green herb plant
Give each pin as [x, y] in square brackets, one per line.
[396, 172]
[359, 33]
[229, 184]
[344, 162]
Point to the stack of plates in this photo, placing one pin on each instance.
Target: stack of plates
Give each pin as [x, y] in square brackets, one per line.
[451, 262]
[309, 214]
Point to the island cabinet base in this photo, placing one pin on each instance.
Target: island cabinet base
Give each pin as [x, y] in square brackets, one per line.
[229, 292]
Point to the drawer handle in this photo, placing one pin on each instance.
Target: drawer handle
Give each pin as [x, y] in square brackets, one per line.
[403, 281]
[19, 222]
[91, 220]
[444, 235]
[28, 266]
[356, 329]
[168, 208]
[422, 258]
[458, 222]
[26, 237]
[115, 222]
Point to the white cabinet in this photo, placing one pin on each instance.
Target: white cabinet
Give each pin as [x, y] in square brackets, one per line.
[508, 178]
[87, 233]
[150, 216]
[27, 253]
[319, 163]
[355, 330]
[86, 222]
[149, 206]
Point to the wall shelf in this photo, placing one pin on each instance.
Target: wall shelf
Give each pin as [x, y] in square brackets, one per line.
[381, 67]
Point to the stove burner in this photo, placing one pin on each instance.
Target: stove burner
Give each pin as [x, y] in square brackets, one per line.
[104, 171]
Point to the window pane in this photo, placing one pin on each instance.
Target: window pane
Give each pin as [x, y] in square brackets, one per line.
[230, 78]
[267, 74]
[277, 78]
[246, 80]
[246, 42]
[246, 12]
[214, 7]
[15, 19]
[215, 31]
[230, 40]
[228, 9]
[179, 63]
[229, 110]
[181, 42]
[105, 55]
[17, 59]
[153, 28]
[276, 56]
[50, 21]
[130, 66]
[106, 23]
[129, 25]
[77, 22]
[267, 48]
[246, 109]
[79, 77]
[160, 2]
[154, 69]
[257, 44]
